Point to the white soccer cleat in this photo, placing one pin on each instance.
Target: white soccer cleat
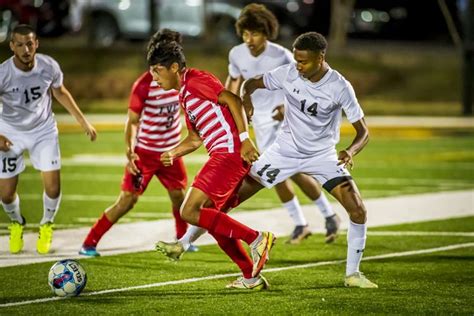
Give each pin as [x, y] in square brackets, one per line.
[241, 283]
[358, 279]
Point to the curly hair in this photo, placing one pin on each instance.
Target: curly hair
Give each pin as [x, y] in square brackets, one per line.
[312, 41]
[256, 17]
[164, 35]
[166, 53]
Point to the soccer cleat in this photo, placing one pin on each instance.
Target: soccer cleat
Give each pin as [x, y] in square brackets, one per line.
[89, 251]
[16, 236]
[358, 279]
[332, 227]
[45, 238]
[173, 250]
[260, 250]
[192, 248]
[260, 284]
[299, 233]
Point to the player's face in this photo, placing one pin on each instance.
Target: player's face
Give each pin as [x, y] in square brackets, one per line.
[24, 48]
[167, 78]
[255, 41]
[309, 64]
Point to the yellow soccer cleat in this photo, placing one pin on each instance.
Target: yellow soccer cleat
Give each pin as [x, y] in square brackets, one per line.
[173, 250]
[45, 238]
[260, 251]
[358, 279]
[260, 284]
[16, 237]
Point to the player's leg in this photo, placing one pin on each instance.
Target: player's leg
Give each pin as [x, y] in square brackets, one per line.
[290, 202]
[11, 165]
[348, 195]
[11, 205]
[312, 189]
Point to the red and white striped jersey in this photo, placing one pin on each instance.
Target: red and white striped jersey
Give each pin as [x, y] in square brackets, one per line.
[160, 126]
[212, 121]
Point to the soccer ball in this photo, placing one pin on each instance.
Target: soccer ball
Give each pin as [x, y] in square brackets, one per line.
[67, 278]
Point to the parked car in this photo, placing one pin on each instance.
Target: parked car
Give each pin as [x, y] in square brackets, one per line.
[109, 20]
[48, 17]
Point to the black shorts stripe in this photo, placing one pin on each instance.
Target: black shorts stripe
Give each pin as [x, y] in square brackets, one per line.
[334, 182]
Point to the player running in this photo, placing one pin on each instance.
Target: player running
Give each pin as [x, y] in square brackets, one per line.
[255, 56]
[153, 126]
[27, 124]
[315, 96]
[215, 118]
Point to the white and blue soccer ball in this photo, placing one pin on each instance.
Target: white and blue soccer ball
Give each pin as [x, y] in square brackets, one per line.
[67, 278]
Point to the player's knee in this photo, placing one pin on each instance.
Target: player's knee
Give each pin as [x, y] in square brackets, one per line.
[128, 201]
[190, 214]
[177, 197]
[358, 214]
[53, 193]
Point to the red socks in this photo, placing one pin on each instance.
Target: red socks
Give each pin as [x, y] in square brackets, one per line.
[97, 231]
[180, 224]
[234, 249]
[219, 223]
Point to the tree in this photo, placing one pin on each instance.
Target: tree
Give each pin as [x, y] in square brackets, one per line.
[341, 11]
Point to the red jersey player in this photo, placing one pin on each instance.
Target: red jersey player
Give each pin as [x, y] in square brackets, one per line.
[215, 118]
[153, 127]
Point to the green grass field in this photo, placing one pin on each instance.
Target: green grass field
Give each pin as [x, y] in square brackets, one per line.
[306, 279]
[388, 166]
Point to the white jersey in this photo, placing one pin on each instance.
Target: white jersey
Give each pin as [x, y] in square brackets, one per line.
[26, 95]
[312, 110]
[243, 63]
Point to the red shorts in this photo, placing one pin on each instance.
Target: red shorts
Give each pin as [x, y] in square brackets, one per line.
[221, 176]
[172, 177]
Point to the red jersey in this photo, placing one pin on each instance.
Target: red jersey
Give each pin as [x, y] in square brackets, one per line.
[160, 126]
[212, 121]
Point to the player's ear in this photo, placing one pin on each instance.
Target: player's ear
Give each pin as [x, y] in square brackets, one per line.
[174, 67]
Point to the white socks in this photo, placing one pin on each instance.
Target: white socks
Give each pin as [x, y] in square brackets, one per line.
[356, 236]
[13, 210]
[296, 213]
[324, 206]
[50, 208]
[191, 235]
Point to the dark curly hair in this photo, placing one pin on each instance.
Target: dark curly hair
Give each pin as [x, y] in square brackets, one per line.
[166, 53]
[256, 17]
[165, 35]
[312, 41]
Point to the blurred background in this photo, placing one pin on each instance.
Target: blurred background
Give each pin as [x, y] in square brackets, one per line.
[403, 57]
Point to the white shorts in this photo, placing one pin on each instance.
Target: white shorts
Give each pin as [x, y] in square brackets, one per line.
[266, 135]
[275, 166]
[42, 145]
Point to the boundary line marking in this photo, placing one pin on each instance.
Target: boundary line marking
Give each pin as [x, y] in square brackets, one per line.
[222, 276]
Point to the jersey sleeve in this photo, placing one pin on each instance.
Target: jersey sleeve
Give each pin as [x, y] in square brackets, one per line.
[138, 96]
[234, 70]
[349, 103]
[57, 74]
[205, 88]
[273, 80]
[289, 56]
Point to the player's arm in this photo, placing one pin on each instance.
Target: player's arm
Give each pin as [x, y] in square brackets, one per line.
[5, 143]
[131, 130]
[233, 84]
[360, 140]
[248, 151]
[65, 98]
[248, 87]
[189, 144]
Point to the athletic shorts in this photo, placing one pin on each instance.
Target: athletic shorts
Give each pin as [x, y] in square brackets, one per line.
[266, 135]
[275, 165]
[41, 143]
[173, 177]
[221, 176]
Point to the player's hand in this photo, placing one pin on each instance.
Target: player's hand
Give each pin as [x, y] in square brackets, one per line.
[248, 151]
[90, 131]
[5, 143]
[278, 113]
[131, 165]
[345, 158]
[167, 158]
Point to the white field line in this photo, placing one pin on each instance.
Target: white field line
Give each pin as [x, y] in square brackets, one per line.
[222, 276]
[415, 233]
